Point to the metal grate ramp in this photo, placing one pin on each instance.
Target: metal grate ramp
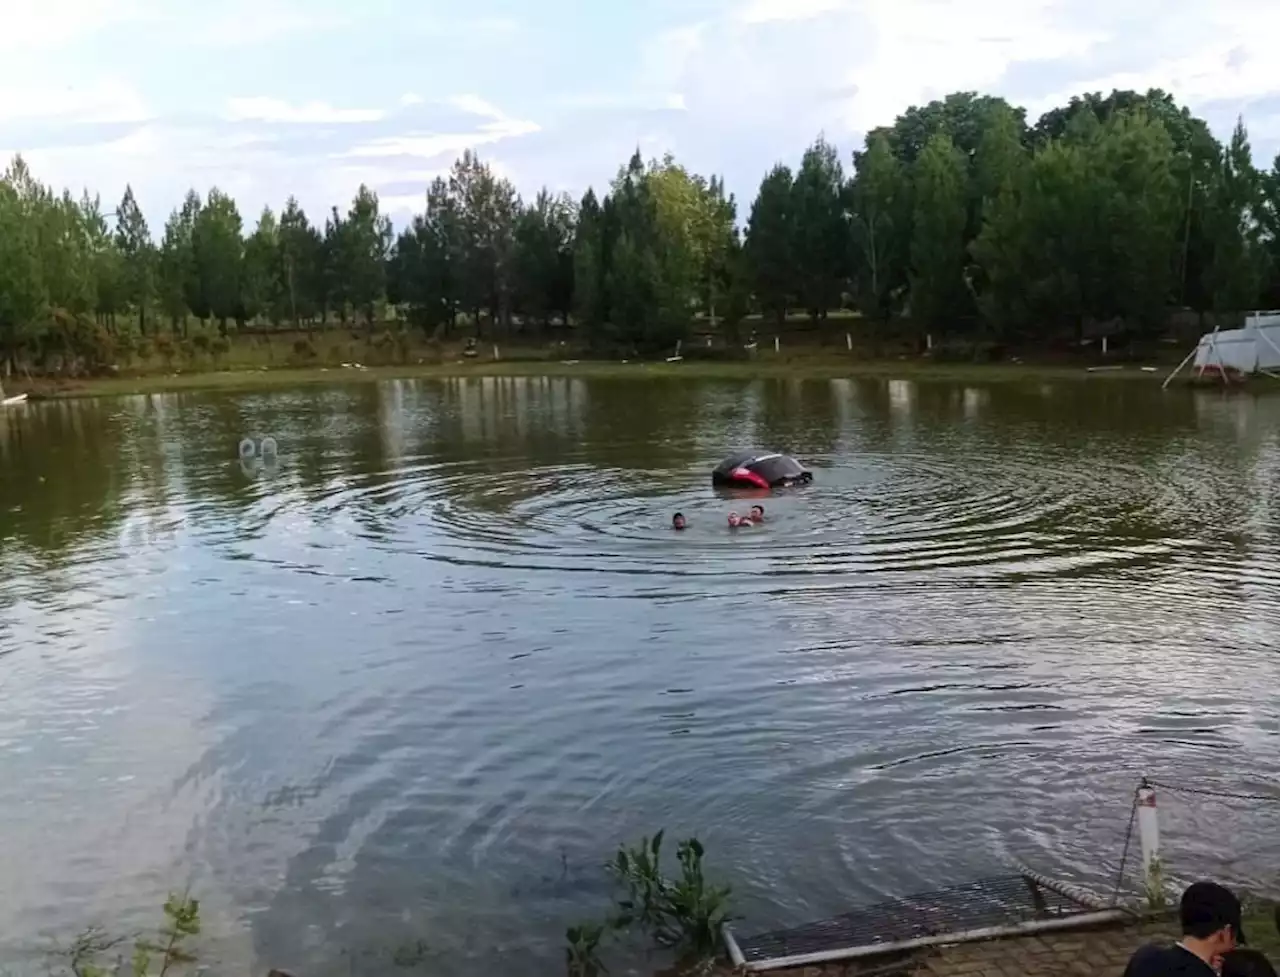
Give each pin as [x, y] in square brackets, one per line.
[964, 910]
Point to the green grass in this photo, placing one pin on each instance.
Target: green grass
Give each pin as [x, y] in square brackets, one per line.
[1260, 926]
[799, 365]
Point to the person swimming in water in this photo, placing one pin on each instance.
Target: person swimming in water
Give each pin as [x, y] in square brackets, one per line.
[757, 513]
[736, 520]
[678, 521]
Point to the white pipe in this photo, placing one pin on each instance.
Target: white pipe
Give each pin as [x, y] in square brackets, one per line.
[730, 944]
[942, 939]
[1104, 345]
[1178, 370]
[848, 341]
[1149, 837]
[777, 345]
[495, 351]
[928, 341]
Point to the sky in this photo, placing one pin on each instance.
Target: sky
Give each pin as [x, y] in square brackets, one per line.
[267, 98]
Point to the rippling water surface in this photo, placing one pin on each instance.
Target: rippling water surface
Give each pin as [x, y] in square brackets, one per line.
[415, 680]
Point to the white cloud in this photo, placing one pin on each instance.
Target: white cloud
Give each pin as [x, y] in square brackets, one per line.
[101, 101]
[238, 23]
[924, 49]
[477, 28]
[1210, 54]
[411, 98]
[768, 11]
[475, 105]
[428, 145]
[32, 24]
[265, 109]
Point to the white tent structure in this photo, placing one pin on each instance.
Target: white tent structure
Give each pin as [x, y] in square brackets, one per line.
[1253, 349]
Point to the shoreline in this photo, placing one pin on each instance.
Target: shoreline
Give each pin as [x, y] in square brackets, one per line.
[793, 368]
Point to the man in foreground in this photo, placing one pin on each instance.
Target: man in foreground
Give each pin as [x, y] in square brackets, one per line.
[1210, 918]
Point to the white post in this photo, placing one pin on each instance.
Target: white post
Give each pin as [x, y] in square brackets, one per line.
[928, 341]
[777, 345]
[1104, 345]
[1169, 378]
[495, 351]
[848, 341]
[1149, 836]
[708, 342]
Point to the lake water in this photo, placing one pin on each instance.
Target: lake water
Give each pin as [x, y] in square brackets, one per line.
[416, 680]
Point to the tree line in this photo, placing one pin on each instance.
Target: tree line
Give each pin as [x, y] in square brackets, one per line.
[960, 217]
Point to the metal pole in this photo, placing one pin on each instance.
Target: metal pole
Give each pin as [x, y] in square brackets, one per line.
[1082, 921]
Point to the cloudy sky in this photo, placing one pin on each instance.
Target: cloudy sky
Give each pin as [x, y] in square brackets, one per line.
[312, 97]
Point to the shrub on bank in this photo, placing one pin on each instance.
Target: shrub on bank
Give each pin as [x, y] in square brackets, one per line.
[684, 914]
[95, 953]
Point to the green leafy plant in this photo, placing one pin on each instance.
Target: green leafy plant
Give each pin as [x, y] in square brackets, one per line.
[582, 953]
[685, 913]
[152, 956]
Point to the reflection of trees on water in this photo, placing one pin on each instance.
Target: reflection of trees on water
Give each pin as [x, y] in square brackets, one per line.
[67, 467]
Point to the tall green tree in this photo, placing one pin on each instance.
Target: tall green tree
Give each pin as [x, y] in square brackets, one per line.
[138, 256]
[880, 219]
[1269, 221]
[544, 237]
[262, 291]
[1234, 229]
[301, 263]
[22, 294]
[770, 243]
[590, 302]
[486, 208]
[820, 233]
[964, 116]
[107, 265]
[940, 185]
[365, 244]
[217, 246]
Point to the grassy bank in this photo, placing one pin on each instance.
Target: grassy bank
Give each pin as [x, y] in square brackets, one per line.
[258, 366]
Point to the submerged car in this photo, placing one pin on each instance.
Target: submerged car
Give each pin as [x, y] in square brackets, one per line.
[760, 470]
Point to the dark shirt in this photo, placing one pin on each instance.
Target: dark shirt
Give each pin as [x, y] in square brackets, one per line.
[1167, 961]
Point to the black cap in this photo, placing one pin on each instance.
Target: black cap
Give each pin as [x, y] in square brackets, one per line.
[1207, 907]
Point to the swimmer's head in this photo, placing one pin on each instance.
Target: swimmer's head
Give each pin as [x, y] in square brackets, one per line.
[757, 513]
[677, 521]
[734, 519]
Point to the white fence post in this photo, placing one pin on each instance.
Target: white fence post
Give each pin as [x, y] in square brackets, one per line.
[1149, 836]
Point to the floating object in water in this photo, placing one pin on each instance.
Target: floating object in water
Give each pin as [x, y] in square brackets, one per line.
[759, 469]
[13, 401]
[266, 448]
